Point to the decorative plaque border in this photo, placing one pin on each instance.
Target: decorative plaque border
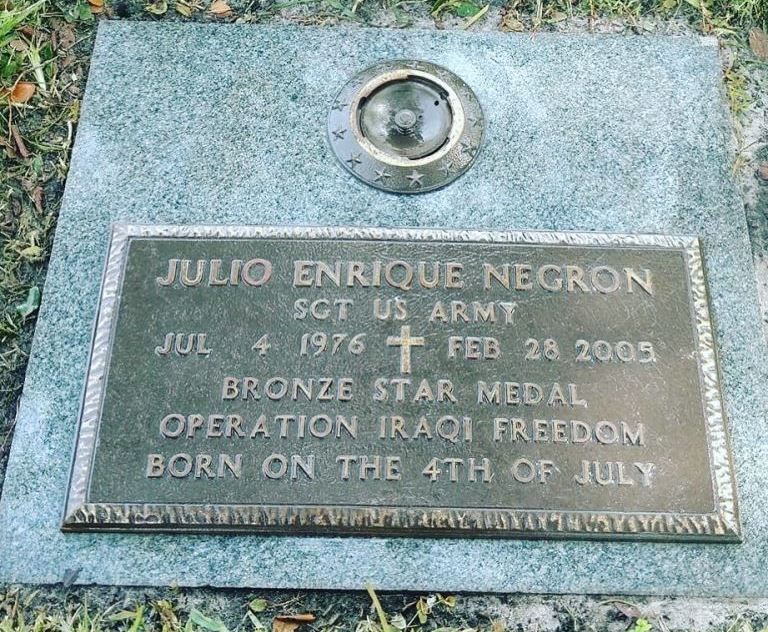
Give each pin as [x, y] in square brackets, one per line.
[721, 525]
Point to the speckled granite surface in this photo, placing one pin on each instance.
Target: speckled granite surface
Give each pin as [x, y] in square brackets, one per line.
[225, 124]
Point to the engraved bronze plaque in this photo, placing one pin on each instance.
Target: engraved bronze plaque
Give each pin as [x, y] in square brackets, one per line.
[408, 382]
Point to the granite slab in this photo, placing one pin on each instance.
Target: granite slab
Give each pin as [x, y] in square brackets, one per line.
[226, 124]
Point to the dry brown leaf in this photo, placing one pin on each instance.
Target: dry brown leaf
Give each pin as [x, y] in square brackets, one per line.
[758, 42]
[158, 7]
[510, 22]
[629, 610]
[219, 7]
[20, 146]
[20, 46]
[22, 92]
[279, 625]
[97, 6]
[66, 36]
[289, 623]
[37, 198]
[67, 60]
[762, 172]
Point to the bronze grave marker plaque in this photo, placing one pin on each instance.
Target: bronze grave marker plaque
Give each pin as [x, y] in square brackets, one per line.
[408, 382]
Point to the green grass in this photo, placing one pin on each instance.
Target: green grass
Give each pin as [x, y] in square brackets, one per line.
[42, 49]
[26, 611]
[175, 610]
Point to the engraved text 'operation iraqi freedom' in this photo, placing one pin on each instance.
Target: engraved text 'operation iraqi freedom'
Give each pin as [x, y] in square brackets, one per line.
[406, 382]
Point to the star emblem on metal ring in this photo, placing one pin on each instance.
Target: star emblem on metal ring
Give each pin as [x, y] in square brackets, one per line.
[415, 179]
[354, 160]
[382, 175]
[468, 148]
[447, 168]
[339, 105]
[338, 134]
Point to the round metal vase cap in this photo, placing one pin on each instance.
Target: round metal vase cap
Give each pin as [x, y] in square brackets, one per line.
[406, 126]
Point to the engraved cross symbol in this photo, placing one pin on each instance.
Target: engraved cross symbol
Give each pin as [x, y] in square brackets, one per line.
[405, 342]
